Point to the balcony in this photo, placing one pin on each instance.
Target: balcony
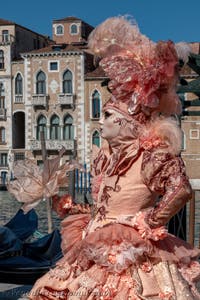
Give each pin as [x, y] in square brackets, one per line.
[2, 113]
[66, 100]
[19, 99]
[6, 39]
[53, 145]
[40, 100]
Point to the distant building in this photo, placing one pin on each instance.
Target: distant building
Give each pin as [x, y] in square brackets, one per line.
[54, 86]
[190, 124]
[14, 39]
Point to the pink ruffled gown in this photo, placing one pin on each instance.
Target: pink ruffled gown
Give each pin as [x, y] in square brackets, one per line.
[122, 250]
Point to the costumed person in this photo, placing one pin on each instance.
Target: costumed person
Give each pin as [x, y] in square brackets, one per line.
[122, 250]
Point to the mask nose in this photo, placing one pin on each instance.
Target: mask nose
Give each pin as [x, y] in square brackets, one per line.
[101, 121]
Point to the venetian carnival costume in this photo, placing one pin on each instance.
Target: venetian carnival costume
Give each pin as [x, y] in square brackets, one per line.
[122, 250]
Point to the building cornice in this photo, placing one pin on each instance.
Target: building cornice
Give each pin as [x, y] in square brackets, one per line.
[53, 53]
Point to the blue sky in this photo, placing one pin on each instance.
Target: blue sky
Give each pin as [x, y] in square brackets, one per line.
[178, 20]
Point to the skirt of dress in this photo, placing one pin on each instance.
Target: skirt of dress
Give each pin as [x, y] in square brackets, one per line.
[116, 262]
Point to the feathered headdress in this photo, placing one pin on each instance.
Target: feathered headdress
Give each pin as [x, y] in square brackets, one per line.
[143, 74]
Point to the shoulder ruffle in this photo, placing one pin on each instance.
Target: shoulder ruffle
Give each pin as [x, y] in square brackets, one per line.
[163, 134]
[159, 168]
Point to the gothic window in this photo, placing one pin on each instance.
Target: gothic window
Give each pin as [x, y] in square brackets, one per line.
[18, 85]
[67, 82]
[68, 129]
[1, 59]
[96, 138]
[41, 126]
[95, 105]
[59, 30]
[41, 83]
[2, 135]
[55, 128]
[74, 29]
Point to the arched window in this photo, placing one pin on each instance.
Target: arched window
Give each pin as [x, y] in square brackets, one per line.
[41, 83]
[55, 128]
[18, 85]
[67, 82]
[59, 29]
[96, 138]
[96, 105]
[74, 29]
[41, 126]
[68, 129]
[2, 135]
[1, 59]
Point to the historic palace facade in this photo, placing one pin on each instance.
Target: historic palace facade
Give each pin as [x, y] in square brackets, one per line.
[53, 86]
[49, 86]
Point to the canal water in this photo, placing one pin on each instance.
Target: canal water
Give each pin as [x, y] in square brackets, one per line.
[9, 206]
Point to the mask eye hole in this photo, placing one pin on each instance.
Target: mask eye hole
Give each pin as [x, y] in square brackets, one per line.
[107, 114]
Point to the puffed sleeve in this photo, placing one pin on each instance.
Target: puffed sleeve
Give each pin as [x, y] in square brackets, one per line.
[164, 174]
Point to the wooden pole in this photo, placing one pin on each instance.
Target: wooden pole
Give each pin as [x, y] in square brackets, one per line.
[192, 219]
[48, 200]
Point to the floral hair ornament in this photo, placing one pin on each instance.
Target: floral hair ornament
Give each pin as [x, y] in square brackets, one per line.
[143, 74]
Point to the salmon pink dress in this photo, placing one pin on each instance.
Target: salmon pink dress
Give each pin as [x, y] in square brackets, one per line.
[122, 250]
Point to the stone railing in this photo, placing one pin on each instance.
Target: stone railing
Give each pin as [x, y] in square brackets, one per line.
[19, 99]
[66, 100]
[53, 145]
[40, 100]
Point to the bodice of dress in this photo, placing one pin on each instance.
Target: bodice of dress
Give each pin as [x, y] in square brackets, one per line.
[128, 196]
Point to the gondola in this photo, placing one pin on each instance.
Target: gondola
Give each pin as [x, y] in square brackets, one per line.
[23, 261]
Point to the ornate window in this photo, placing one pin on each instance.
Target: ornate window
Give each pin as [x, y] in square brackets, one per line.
[18, 85]
[55, 128]
[2, 135]
[96, 138]
[68, 129]
[41, 83]
[95, 105]
[1, 59]
[74, 29]
[59, 30]
[67, 82]
[41, 126]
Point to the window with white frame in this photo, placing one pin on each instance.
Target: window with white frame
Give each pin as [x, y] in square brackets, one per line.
[2, 135]
[3, 159]
[18, 85]
[55, 128]
[73, 29]
[96, 138]
[41, 83]
[53, 66]
[194, 134]
[183, 146]
[2, 97]
[67, 82]
[41, 126]
[59, 30]
[5, 36]
[96, 105]
[1, 59]
[68, 128]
